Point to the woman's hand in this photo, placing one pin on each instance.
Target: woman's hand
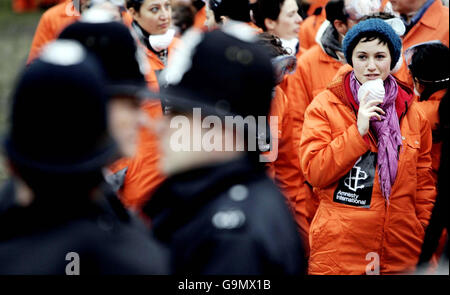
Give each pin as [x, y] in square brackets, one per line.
[367, 110]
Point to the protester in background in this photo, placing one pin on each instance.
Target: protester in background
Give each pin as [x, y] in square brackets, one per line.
[116, 49]
[425, 20]
[67, 211]
[439, 218]
[285, 168]
[200, 16]
[152, 21]
[218, 212]
[52, 22]
[366, 149]
[428, 64]
[280, 18]
[310, 26]
[183, 16]
[219, 12]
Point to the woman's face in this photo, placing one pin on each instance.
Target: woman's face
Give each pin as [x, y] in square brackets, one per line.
[154, 16]
[371, 60]
[287, 25]
[125, 118]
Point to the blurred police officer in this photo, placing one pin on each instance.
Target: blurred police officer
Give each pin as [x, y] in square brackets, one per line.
[218, 212]
[64, 221]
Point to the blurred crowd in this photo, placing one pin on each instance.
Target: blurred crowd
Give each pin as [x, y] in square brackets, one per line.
[232, 137]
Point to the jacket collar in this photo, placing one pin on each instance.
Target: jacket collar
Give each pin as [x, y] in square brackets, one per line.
[342, 95]
[431, 16]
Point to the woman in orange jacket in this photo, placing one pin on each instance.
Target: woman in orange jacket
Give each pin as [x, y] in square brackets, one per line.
[280, 18]
[152, 20]
[366, 148]
[428, 64]
[152, 24]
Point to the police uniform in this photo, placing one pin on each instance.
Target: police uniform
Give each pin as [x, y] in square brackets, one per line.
[227, 219]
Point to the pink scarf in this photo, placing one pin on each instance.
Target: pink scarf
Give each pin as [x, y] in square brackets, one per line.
[387, 132]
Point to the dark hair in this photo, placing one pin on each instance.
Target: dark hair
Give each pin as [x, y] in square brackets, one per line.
[272, 44]
[370, 36]
[429, 65]
[234, 9]
[439, 217]
[183, 16]
[381, 15]
[267, 9]
[335, 11]
[136, 4]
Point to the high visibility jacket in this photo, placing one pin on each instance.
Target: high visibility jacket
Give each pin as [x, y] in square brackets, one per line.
[52, 22]
[430, 109]
[432, 26]
[309, 28]
[346, 238]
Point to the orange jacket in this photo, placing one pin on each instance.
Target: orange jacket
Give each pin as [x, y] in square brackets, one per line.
[143, 173]
[23, 5]
[156, 65]
[315, 70]
[200, 18]
[52, 22]
[309, 28]
[432, 26]
[314, 4]
[286, 168]
[342, 235]
[430, 109]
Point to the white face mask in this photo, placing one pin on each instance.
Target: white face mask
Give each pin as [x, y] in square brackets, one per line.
[416, 92]
[290, 45]
[161, 42]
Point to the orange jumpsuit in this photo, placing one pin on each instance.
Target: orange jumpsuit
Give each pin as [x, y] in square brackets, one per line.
[143, 173]
[309, 28]
[52, 22]
[345, 238]
[432, 26]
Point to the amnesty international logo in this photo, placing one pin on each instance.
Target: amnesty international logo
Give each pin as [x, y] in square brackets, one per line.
[354, 178]
[355, 188]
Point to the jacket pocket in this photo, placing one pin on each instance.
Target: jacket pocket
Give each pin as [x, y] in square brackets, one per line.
[324, 238]
[409, 157]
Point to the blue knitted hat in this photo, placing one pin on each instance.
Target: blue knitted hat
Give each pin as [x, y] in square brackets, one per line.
[376, 26]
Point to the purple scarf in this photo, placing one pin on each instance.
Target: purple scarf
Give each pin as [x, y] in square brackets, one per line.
[387, 132]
